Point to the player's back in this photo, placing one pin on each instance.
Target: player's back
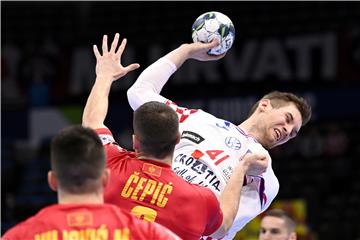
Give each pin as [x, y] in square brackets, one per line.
[153, 192]
[85, 221]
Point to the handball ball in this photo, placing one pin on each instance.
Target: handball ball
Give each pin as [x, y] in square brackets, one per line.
[212, 25]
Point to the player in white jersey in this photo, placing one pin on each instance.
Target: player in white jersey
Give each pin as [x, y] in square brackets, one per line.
[210, 147]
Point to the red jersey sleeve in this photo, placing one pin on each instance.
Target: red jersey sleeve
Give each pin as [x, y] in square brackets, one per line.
[114, 152]
[106, 136]
[215, 214]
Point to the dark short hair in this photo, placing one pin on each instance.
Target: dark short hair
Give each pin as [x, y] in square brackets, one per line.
[157, 127]
[279, 213]
[78, 159]
[281, 99]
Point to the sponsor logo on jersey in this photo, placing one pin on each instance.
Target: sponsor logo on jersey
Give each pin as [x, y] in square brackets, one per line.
[224, 125]
[233, 143]
[194, 137]
[106, 138]
[195, 171]
[227, 172]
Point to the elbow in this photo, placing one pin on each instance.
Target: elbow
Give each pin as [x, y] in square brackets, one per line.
[132, 96]
[229, 215]
[223, 229]
[85, 121]
[227, 223]
[87, 124]
[92, 122]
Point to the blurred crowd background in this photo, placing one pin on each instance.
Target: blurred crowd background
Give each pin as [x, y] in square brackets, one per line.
[310, 48]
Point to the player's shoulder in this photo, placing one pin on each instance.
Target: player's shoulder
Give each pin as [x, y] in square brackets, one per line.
[256, 147]
[24, 229]
[115, 154]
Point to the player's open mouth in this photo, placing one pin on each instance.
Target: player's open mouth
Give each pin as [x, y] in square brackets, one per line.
[277, 134]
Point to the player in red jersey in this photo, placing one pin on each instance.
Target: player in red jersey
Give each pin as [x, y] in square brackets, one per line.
[142, 181]
[79, 176]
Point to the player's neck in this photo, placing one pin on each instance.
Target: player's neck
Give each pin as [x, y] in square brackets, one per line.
[251, 129]
[85, 198]
[166, 160]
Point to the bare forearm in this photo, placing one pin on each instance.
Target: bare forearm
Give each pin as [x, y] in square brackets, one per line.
[197, 51]
[97, 104]
[150, 82]
[179, 55]
[230, 199]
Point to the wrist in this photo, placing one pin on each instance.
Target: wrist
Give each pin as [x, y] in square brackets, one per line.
[107, 78]
[243, 167]
[185, 51]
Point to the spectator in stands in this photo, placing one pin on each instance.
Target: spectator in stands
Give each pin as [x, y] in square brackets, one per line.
[277, 225]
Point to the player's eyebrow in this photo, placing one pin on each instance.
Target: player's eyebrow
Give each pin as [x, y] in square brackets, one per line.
[291, 116]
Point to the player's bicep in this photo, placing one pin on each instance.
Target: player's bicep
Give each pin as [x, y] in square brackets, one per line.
[138, 95]
[150, 82]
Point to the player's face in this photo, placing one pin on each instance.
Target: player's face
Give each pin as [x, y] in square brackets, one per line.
[281, 125]
[273, 228]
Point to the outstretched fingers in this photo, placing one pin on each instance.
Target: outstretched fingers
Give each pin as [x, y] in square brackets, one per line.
[96, 52]
[114, 43]
[132, 67]
[120, 50]
[126, 70]
[105, 45]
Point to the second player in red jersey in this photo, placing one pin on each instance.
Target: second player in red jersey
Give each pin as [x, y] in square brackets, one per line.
[85, 221]
[79, 176]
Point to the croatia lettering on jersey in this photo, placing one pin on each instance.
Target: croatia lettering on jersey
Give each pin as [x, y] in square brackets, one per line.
[209, 150]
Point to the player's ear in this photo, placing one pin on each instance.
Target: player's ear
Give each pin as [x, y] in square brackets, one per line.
[105, 177]
[264, 105]
[136, 142]
[52, 181]
[178, 137]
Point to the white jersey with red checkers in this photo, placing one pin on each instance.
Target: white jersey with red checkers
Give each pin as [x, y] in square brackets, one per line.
[209, 148]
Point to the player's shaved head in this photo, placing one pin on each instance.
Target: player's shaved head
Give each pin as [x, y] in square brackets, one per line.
[157, 126]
